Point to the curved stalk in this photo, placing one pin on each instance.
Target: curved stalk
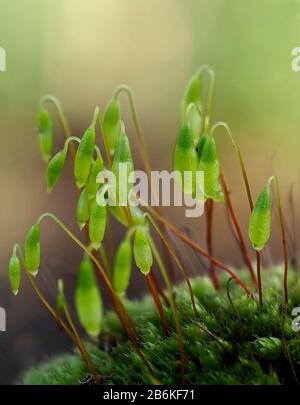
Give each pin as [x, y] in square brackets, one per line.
[143, 150]
[61, 115]
[177, 261]
[74, 336]
[123, 316]
[198, 248]
[283, 235]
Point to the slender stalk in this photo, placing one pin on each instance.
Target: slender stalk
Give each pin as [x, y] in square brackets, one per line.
[283, 236]
[177, 261]
[237, 228]
[228, 199]
[211, 89]
[81, 345]
[174, 307]
[61, 115]
[240, 158]
[75, 337]
[198, 248]
[61, 323]
[209, 220]
[144, 155]
[159, 289]
[123, 316]
[157, 302]
[259, 277]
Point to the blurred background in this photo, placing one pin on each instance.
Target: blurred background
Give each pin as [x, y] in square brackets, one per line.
[81, 51]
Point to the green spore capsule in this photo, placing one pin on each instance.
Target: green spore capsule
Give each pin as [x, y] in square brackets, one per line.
[92, 186]
[45, 134]
[84, 155]
[88, 299]
[142, 251]
[122, 267]
[55, 168]
[82, 211]
[122, 167]
[14, 272]
[194, 118]
[185, 160]
[97, 223]
[32, 250]
[260, 220]
[111, 124]
[60, 301]
[210, 165]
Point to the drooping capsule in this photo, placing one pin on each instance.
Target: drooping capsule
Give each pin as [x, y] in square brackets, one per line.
[260, 220]
[32, 250]
[142, 251]
[97, 223]
[122, 267]
[82, 211]
[92, 186]
[88, 299]
[45, 134]
[84, 154]
[185, 160]
[60, 300]
[194, 118]
[55, 168]
[122, 167]
[14, 272]
[111, 124]
[210, 165]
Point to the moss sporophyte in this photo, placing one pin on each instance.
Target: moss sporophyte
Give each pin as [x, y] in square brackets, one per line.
[180, 323]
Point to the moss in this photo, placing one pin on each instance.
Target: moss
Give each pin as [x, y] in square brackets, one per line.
[228, 344]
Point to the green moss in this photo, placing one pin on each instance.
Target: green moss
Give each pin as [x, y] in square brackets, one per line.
[244, 346]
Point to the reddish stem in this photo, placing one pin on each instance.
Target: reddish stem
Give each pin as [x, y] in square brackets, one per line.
[237, 228]
[158, 303]
[198, 248]
[159, 289]
[259, 277]
[209, 221]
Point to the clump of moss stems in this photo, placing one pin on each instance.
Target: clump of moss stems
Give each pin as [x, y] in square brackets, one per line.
[99, 248]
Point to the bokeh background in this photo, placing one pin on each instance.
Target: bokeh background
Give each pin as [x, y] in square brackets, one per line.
[80, 51]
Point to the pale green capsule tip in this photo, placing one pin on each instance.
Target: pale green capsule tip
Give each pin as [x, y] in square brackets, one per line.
[96, 245]
[15, 292]
[33, 272]
[81, 225]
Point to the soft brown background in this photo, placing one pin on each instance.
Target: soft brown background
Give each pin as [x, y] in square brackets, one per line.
[80, 51]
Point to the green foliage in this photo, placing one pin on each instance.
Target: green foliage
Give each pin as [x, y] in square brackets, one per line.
[260, 220]
[45, 134]
[244, 349]
[97, 223]
[14, 272]
[55, 168]
[84, 155]
[122, 267]
[111, 124]
[88, 299]
[142, 250]
[82, 211]
[33, 250]
[185, 159]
